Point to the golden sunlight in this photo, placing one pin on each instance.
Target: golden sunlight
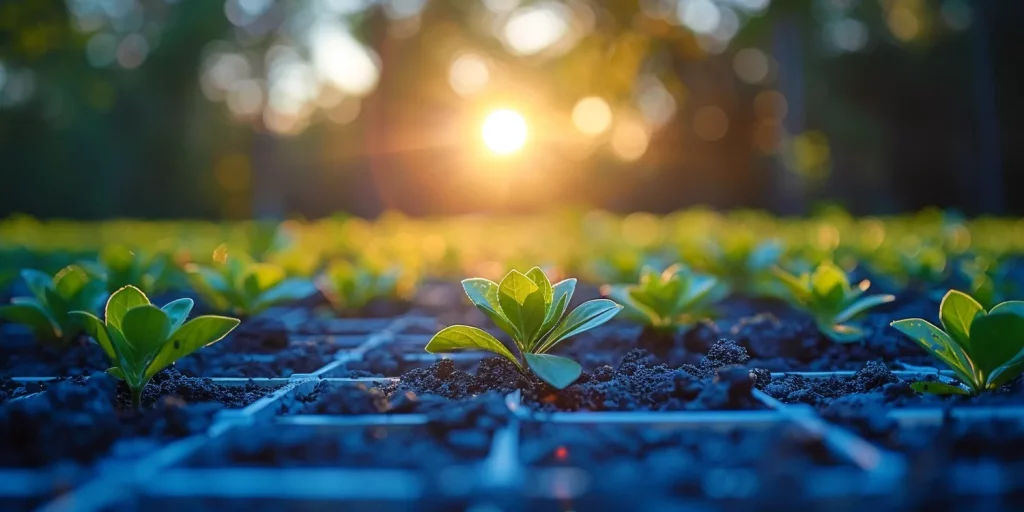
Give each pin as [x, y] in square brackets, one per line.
[504, 131]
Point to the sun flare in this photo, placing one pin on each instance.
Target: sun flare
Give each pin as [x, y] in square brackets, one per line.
[504, 131]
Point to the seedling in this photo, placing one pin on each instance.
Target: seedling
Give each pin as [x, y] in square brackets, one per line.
[827, 295]
[141, 339]
[46, 311]
[530, 310]
[743, 265]
[674, 299]
[350, 287]
[988, 280]
[984, 349]
[119, 266]
[238, 286]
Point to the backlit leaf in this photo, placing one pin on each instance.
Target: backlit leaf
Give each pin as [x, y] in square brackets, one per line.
[559, 372]
[463, 337]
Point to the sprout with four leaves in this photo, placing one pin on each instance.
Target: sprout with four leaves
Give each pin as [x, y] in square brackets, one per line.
[827, 295]
[141, 339]
[676, 298]
[239, 286]
[984, 349]
[530, 310]
[46, 312]
[351, 287]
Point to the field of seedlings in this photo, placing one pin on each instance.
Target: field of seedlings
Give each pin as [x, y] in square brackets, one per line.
[575, 361]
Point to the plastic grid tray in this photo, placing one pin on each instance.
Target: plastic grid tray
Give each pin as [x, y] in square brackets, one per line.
[501, 481]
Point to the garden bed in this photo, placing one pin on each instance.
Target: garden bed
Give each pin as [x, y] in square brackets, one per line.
[753, 409]
[407, 438]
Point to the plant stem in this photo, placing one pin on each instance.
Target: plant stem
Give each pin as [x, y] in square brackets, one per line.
[136, 398]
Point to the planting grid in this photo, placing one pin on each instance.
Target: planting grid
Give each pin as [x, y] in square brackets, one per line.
[865, 475]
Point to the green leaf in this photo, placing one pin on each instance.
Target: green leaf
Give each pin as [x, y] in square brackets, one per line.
[799, 290]
[33, 317]
[117, 373]
[261, 277]
[540, 279]
[463, 337]
[938, 388]
[37, 282]
[1006, 372]
[559, 372]
[996, 340]
[562, 290]
[288, 290]
[840, 333]
[70, 281]
[588, 316]
[197, 333]
[120, 302]
[698, 289]
[862, 305]
[522, 303]
[57, 308]
[957, 312]
[96, 330]
[516, 286]
[178, 311]
[939, 344]
[483, 293]
[146, 328]
[829, 284]
[1015, 307]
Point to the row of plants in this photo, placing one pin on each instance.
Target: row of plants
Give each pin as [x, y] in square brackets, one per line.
[740, 248]
[983, 347]
[531, 309]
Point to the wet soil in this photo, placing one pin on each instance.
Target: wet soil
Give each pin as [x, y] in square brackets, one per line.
[79, 420]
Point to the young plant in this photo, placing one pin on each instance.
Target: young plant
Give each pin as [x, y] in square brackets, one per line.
[141, 339]
[742, 264]
[241, 287]
[984, 349]
[46, 311]
[988, 280]
[674, 299]
[119, 266]
[530, 310]
[827, 295]
[350, 287]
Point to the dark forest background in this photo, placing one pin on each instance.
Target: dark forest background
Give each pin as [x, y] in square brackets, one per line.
[107, 110]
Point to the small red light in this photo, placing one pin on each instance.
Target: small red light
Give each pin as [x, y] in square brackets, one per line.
[561, 453]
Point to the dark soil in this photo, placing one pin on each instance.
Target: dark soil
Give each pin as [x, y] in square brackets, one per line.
[260, 348]
[636, 384]
[875, 384]
[10, 389]
[456, 434]
[81, 419]
[21, 356]
[388, 361]
[777, 337]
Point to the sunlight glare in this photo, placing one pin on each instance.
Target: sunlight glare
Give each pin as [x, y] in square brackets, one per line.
[504, 131]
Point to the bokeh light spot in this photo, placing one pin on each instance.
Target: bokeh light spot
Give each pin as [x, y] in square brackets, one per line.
[592, 115]
[630, 140]
[710, 123]
[751, 65]
[535, 28]
[504, 131]
[903, 23]
[468, 74]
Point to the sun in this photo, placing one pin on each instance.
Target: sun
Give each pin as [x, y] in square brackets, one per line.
[504, 131]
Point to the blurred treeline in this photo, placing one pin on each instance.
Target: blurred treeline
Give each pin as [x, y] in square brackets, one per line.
[107, 108]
